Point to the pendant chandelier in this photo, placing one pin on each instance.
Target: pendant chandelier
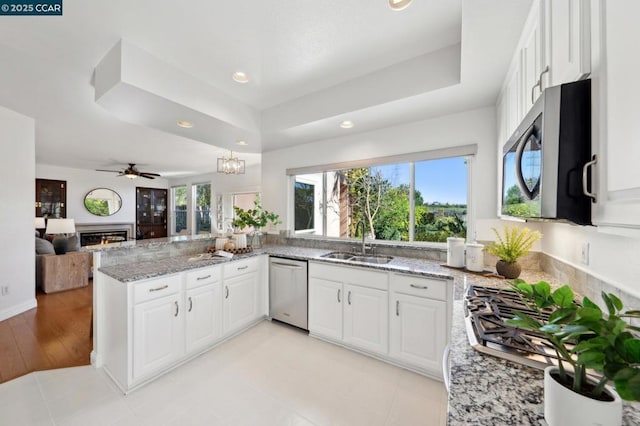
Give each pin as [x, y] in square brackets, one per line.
[231, 165]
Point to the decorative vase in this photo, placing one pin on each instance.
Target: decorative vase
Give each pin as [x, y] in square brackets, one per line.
[508, 270]
[256, 240]
[564, 407]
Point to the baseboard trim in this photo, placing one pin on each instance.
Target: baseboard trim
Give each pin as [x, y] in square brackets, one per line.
[18, 309]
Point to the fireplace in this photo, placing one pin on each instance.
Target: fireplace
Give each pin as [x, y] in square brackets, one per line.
[104, 233]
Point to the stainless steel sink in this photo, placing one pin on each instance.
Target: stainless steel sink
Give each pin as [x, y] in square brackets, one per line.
[379, 260]
[338, 255]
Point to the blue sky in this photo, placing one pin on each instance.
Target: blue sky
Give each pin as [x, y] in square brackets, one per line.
[443, 180]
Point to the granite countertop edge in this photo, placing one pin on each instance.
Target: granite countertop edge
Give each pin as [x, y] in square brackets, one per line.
[130, 272]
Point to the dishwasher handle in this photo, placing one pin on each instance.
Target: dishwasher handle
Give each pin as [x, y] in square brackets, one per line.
[287, 265]
[445, 367]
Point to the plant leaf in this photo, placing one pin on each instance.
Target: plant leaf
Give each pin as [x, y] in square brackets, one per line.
[587, 303]
[627, 383]
[591, 359]
[595, 343]
[563, 296]
[562, 316]
[591, 314]
[632, 350]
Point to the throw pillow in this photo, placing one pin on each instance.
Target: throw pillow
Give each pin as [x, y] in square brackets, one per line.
[44, 247]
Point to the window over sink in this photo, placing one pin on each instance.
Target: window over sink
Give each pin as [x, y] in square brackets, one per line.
[423, 198]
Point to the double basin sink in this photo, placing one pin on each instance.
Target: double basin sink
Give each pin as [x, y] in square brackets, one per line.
[352, 257]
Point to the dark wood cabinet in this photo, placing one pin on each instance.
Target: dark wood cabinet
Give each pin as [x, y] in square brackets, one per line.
[51, 198]
[151, 213]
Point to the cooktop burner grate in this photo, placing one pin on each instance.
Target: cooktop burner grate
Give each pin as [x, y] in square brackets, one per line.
[487, 309]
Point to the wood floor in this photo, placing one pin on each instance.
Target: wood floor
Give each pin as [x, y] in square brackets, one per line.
[54, 335]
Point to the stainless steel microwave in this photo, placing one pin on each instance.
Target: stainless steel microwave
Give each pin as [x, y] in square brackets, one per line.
[546, 161]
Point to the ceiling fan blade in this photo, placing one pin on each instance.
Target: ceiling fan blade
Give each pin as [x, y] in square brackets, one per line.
[146, 175]
[112, 171]
[150, 174]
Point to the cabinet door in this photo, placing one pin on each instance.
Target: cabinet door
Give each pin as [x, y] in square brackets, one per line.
[203, 307]
[157, 335]
[51, 198]
[418, 331]
[240, 301]
[569, 40]
[615, 117]
[532, 58]
[366, 318]
[325, 308]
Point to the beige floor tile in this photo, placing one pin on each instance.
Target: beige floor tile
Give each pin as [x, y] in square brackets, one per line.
[269, 375]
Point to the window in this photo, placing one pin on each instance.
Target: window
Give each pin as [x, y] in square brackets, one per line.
[304, 204]
[179, 198]
[202, 210]
[405, 201]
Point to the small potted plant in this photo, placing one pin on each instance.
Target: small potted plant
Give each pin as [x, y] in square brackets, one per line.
[515, 243]
[255, 218]
[583, 338]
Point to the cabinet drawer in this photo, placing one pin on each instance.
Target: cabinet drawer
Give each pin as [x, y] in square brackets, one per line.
[431, 288]
[155, 288]
[364, 277]
[240, 267]
[202, 276]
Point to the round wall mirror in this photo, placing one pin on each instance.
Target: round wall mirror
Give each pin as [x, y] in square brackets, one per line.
[102, 202]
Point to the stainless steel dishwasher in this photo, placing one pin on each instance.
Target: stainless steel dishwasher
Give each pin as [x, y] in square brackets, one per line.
[288, 291]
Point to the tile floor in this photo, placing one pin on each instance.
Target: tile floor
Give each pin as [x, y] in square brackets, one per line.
[269, 375]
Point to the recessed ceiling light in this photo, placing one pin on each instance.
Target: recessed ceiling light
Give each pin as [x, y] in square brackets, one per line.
[346, 124]
[185, 124]
[240, 77]
[243, 143]
[399, 4]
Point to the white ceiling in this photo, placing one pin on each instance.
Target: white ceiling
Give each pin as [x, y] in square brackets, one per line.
[297, 53]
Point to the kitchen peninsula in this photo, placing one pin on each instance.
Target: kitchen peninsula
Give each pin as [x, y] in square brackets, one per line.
[483, 389]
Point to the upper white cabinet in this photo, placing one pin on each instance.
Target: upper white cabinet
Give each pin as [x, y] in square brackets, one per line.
[616, 133]
[532, 58]
[569, 33]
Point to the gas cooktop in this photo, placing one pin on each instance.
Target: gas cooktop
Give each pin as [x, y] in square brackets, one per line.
[486, 309]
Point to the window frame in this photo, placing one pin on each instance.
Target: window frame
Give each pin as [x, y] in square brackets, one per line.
[468, 152]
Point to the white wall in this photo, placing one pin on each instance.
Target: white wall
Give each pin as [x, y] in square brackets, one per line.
[17, 172]
[80, 182]
[612, 258]
[470, 127]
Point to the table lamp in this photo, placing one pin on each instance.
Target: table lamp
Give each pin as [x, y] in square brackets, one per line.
[60, 228]
[40, 224]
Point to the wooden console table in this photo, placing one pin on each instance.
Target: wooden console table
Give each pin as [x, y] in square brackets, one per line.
[65, 271]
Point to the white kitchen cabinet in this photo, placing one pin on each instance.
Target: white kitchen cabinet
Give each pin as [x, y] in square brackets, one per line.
[152, 325]
[158, 335]
[325, 308]
[616, 133]
[532, 57]
[241, 295]
[420, 321]
[569, 34]
[366, 318]
[203, 316]
[418, 331]
[349, 305]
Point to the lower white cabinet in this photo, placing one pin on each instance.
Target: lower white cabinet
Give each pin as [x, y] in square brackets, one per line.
[152, 325]
[325, 308]
[403, 318]
[366, 318]
[240, 301]
[157, 335]
[420, 321]
[418, 331]
[203, 316]
[349, 305]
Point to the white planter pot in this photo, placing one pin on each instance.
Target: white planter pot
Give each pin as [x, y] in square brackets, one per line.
[563, 407]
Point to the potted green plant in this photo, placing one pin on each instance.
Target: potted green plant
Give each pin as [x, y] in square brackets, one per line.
[584, 338]
[513, 244]
[255, 218]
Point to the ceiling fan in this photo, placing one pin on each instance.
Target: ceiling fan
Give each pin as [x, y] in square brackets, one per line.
[132, 172]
